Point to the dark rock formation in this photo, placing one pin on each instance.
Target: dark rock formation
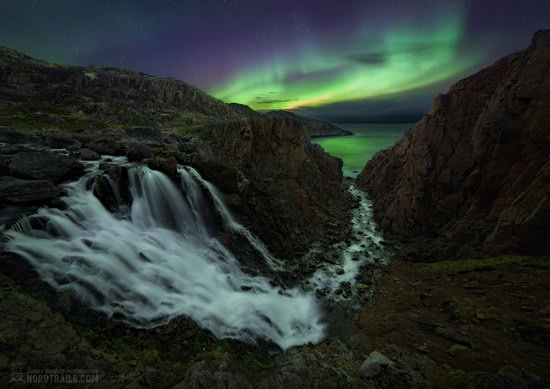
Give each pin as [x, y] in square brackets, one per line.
[45, 165]
[88, 155]
[316, 128]
[138, 152]
[15, 190]
[474, 173]
[111, 188]
[290, 191]
[109, 94]
[106, 146]
[167, 166]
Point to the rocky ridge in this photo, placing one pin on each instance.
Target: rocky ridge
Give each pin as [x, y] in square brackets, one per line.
[316, 128]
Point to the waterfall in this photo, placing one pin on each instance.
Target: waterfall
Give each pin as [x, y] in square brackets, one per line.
[230, 221]
[155, 260]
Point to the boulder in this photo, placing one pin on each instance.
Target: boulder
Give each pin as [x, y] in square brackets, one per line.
[167, 166]
[45, 165]
[138, 152]
[18, 191]
[106, 146]
[111, 188]
[88, 155]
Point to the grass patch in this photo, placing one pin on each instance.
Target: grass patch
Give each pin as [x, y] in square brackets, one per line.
[468, 265]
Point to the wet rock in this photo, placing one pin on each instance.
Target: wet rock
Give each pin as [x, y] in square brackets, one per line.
[167, 166]
[88, 155]
[104, 165]
[138, 152]
[111, 188]
[15, 190]
[45, 165]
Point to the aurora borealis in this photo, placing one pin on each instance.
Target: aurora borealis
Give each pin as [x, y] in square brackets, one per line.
[358, 68]
[345, 60]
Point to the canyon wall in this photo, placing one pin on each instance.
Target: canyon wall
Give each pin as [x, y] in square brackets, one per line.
[473, 175]
[289, 190]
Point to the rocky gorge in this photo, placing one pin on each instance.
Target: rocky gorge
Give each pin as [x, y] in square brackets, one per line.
[473, 175]
[453, 295]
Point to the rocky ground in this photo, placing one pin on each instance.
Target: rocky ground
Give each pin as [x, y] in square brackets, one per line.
[481, 323]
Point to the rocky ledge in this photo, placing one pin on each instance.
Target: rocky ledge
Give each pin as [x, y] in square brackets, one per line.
[316, 128]
[474, 174]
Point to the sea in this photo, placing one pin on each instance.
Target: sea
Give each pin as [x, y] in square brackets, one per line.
[367, 139]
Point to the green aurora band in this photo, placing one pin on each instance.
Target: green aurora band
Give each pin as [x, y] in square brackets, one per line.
[358, 68]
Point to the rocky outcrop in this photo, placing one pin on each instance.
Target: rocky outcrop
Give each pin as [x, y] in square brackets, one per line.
[103, 93]
[316, 128]
[289, 191]
[138, 152]
[89, 155]
[15, 190]
[474, 173]
[45, 165]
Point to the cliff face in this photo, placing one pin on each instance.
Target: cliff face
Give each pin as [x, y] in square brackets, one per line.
[287, 189]
[474, 173]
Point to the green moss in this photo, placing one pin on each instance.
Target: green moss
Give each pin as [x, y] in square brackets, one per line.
[468, 265]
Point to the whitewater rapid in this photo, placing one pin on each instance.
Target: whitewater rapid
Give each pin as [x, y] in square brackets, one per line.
[156, 259]
[365, 247]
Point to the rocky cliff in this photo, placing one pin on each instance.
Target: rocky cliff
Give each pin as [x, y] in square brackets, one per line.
[316, 128]
[43, 95]
[287, 190]
[474, 173]
[106, 94]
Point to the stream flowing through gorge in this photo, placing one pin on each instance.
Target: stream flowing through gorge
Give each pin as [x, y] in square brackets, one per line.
[156, 258]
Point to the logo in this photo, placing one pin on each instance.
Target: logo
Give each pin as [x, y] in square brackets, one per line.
[17, 377]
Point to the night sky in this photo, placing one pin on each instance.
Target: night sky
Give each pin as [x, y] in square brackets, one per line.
[338, 60]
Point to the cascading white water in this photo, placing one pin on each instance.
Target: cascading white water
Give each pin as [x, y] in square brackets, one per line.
[156, 260]
[365, 247]
[230, 221]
